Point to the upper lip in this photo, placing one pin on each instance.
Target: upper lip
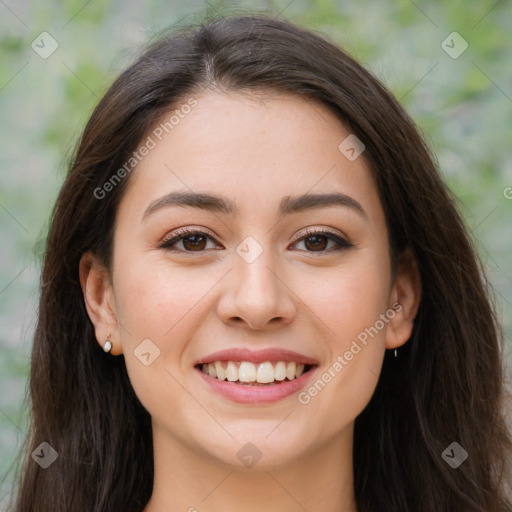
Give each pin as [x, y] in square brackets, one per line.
[258, 356]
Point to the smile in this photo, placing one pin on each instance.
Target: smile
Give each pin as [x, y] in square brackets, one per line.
[256, 377]
[247, 373]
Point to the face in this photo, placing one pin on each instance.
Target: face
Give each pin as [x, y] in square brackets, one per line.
[260, 279]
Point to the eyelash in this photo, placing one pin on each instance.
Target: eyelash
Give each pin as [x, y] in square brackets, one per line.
[186, 232]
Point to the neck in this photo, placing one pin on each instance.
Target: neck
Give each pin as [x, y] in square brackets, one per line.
[186, 480]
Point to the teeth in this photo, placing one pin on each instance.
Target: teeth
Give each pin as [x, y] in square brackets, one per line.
[244, 371]
[221, 373]
[280, 371]
[290, 370]
[231, 372]
[265, 373]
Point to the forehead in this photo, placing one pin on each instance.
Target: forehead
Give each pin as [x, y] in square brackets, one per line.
[252, 149]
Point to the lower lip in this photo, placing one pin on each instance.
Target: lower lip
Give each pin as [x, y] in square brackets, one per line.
[256, 394]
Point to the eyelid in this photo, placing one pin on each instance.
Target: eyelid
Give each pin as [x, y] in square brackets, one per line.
[177, 235]
[187, 231]
[342, 241]
[318, 231]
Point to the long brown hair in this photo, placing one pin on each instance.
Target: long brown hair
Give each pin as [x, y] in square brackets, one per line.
[447, 385]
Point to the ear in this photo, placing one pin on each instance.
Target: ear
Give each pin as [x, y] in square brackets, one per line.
[405, 300]
[99, 301]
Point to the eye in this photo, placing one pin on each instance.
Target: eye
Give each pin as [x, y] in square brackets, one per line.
[318, 240]
[192, 240]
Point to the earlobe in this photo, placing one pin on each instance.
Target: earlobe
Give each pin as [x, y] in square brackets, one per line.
[406, 296]
[99, 301]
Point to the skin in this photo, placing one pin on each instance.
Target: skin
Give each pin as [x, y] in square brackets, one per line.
[255, 151]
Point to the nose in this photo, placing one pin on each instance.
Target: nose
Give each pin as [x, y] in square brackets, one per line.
[257, 295]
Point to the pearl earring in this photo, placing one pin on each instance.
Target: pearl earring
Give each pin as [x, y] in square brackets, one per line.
[396, 354]
[108, 344]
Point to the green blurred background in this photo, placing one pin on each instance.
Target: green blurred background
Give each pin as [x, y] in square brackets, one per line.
[462, 105]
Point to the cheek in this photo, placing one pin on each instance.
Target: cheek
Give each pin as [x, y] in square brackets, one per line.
[165, 304]
[350, 298]
[153, 298]
[157, 303]
[350, 305]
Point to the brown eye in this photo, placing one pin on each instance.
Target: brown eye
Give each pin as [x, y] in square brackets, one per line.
[194, 242]
[187, 240]
[191, 241]
[317, 241]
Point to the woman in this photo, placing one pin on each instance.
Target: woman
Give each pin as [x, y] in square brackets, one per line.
[257, 293]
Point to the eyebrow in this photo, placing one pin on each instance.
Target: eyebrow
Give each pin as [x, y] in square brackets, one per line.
[220, 204]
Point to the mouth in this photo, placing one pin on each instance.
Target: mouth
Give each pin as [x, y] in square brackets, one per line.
[256, 377]
[247, 373]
